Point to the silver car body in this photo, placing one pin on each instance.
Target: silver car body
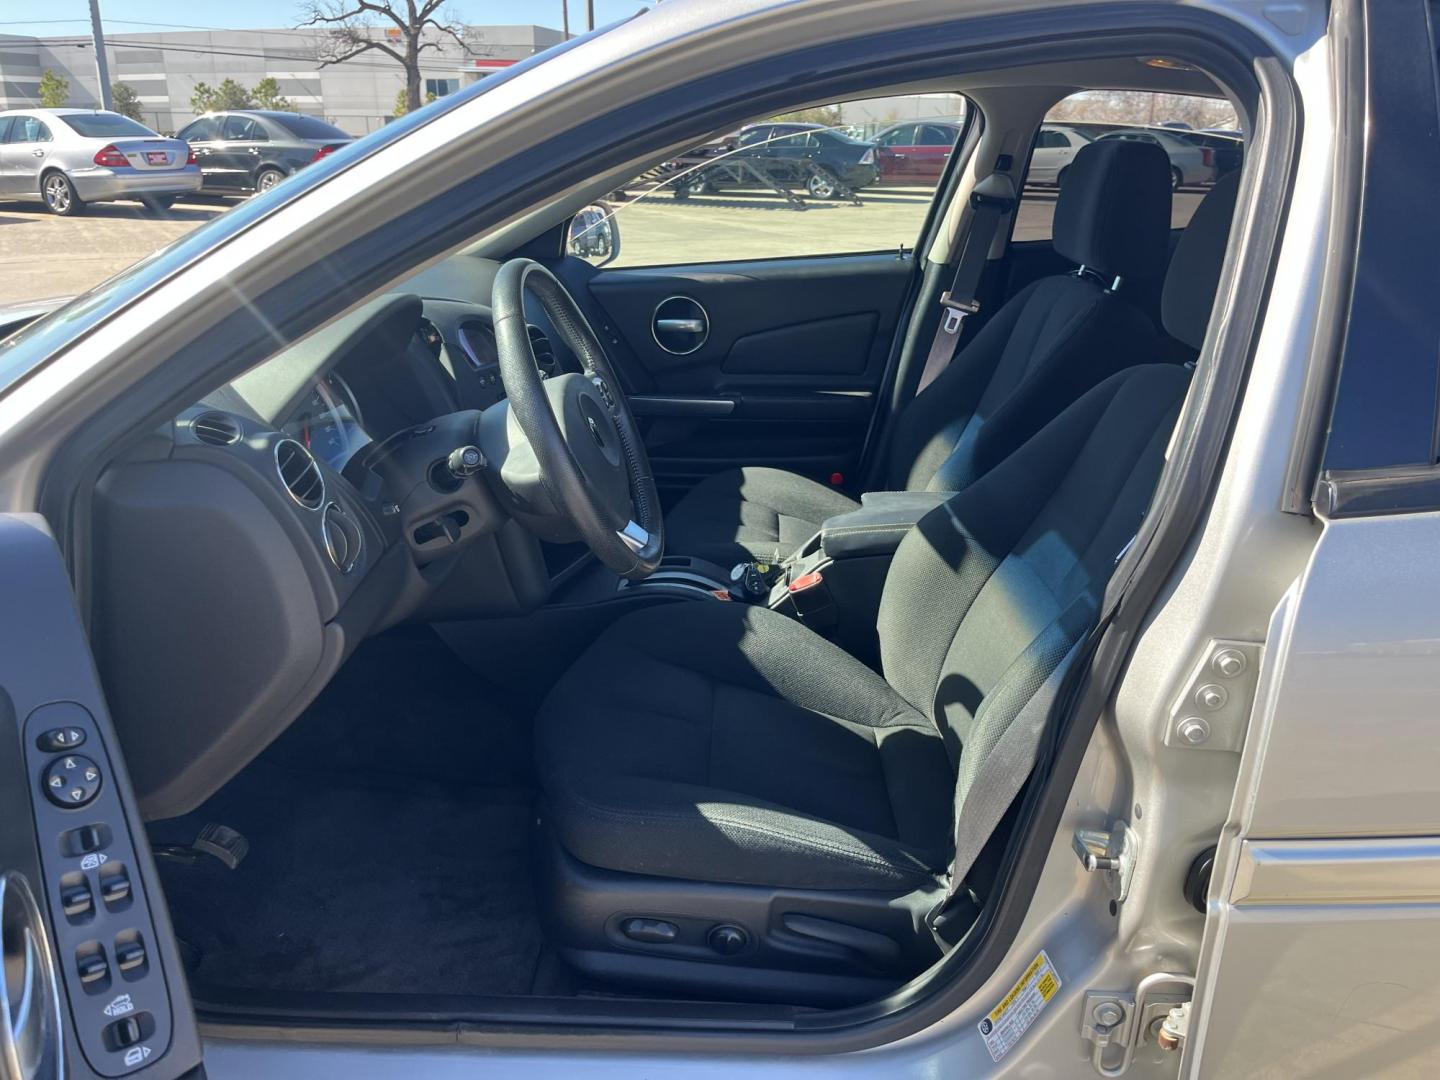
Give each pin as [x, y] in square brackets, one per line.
[41, 141]
[1317, 952]
[1055, 148]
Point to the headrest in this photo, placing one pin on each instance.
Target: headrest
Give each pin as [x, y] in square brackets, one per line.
[1113, 213]
[1194, 272]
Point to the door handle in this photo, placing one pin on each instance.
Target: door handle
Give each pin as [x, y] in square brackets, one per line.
[37, 153]
[680, 326]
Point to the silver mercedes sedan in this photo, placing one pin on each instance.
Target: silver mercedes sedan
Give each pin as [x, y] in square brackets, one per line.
[69, 157]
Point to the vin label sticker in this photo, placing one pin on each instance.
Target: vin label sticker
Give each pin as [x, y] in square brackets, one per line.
[1009, 1020]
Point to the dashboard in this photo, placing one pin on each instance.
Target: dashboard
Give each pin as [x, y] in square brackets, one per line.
[293, 513]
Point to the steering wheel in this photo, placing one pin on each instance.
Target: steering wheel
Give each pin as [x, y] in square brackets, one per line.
[580, 456]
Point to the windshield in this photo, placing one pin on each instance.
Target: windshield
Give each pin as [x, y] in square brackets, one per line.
[307, 127]
[104, 125]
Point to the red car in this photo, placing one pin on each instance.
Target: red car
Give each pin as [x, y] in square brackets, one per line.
[915, 152]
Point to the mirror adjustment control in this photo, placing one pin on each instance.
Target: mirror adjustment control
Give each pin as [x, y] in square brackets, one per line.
[61, 738]
[71, 781]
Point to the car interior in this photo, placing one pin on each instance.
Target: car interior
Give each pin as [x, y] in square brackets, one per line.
[549, 634]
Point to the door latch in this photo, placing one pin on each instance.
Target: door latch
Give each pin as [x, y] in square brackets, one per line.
[1113, 852]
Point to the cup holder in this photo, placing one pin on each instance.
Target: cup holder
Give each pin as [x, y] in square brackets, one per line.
[31, 1044]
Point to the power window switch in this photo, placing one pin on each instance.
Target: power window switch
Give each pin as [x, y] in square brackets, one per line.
[77, 900]
[130, 956]
[115, 885]
[93, 967]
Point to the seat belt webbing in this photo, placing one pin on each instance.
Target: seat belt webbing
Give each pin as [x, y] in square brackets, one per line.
[990, 201]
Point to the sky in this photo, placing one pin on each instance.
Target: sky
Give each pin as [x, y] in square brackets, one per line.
[150, 16]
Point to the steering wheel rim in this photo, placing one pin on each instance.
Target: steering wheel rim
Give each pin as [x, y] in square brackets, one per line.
[629, 540]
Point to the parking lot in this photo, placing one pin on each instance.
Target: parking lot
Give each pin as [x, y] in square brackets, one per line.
[42, 255]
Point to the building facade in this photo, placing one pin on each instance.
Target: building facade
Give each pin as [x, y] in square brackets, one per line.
[164, 69]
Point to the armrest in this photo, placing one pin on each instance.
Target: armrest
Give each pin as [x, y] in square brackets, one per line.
[879, 525]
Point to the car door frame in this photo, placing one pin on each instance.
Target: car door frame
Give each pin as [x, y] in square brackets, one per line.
[48, 678]
[288, 294]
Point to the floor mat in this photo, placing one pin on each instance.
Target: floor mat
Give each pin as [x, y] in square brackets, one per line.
[390, 834]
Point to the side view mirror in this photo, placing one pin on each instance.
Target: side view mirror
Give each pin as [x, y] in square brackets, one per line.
[594, 235]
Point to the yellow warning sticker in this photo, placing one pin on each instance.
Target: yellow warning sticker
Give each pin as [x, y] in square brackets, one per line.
[1009, 1020]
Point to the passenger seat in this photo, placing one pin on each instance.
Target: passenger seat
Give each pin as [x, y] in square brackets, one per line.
[1043, 349]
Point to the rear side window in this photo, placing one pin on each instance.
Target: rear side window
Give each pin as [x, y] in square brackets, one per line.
[1199, 135]
[308, 127]
[103, 125]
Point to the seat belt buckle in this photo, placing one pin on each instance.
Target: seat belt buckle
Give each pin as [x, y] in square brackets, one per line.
[955, 311]
[811, 600]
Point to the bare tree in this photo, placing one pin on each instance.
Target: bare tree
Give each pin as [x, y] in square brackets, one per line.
[406, 28]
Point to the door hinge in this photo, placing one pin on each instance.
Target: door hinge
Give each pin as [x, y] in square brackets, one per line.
[1126, 1021]
[1212, 712]
[1113, 852]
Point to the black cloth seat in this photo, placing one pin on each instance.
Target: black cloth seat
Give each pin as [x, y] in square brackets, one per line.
[722, 743]
[1045, 347]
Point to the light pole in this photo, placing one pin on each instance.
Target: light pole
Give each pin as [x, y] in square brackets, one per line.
[102, 69]
[565, 17]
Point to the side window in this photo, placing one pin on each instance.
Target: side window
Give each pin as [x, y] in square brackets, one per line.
[27, 129]
[817, 182]
[202, 130]
[237, 128]
[1201, 138]
[904, 135]
[5, 124]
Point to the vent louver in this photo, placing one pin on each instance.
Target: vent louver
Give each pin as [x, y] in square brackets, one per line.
[343, 539]
[543, 350]
[215, 428]
[300, 474]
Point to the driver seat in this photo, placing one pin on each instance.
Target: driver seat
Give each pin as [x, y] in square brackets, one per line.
[737, 806]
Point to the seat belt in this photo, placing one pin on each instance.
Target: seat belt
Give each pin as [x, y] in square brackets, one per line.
[990, 200]
[1000, 776]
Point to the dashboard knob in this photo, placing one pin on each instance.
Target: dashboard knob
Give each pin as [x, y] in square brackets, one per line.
[465, 461]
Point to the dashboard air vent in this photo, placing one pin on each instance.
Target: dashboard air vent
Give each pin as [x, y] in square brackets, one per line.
[215, 428]
[543, 350]
[299, 473]
[343, 539]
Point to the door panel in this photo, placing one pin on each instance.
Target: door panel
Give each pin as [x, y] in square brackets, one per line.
[792, 354]
[71, 832]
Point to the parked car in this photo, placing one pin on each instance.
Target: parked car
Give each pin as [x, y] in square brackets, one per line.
[915, 152]
[254, 149]
[1055, 147]
[794, 155]
[1190, 165]
[1224, 150]
[69, 157]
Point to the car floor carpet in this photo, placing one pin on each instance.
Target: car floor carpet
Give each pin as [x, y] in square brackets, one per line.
[390, 831]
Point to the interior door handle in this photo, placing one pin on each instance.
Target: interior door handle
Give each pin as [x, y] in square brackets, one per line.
[680, 326]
